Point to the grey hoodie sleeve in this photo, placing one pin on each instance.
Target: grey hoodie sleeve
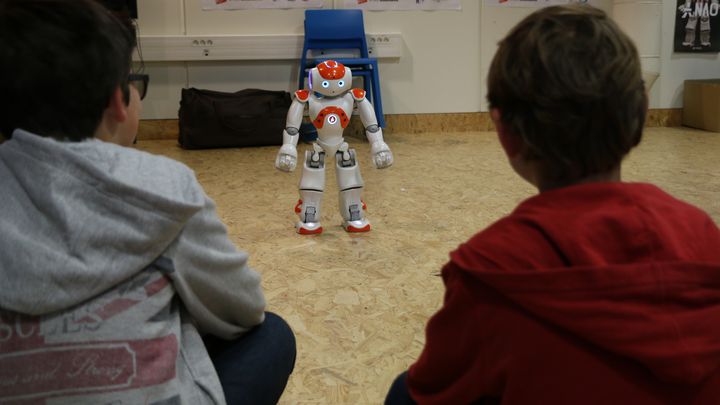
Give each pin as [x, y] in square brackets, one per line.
[213, 279]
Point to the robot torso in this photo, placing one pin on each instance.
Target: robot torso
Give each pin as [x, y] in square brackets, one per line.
[330, 115]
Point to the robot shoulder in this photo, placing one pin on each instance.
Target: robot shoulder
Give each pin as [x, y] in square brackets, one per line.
[358, 94]
[302, 95]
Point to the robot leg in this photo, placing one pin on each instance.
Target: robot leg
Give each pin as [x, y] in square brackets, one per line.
[312, 184]
[705, 30]
[690, 31]
[350, 184]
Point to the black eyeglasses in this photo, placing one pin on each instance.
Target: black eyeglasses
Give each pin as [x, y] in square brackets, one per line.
[140, 82]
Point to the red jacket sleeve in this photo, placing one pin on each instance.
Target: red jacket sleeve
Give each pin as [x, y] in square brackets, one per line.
[461, 361]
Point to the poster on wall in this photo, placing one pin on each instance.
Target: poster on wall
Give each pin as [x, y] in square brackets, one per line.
[253, 4]
[402, 4]
[697, 26]
[541, 3]
[524, 3]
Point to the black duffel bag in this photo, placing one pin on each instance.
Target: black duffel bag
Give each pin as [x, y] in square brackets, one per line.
[213, 119]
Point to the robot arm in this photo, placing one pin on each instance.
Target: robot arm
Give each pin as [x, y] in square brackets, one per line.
[380, 151]
[286, 159]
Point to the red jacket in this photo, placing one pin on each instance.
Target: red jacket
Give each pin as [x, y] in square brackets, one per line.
[591, 294]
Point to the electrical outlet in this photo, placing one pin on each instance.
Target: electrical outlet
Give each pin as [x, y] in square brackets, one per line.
[379, 39]
[202, 42]
[385, 45]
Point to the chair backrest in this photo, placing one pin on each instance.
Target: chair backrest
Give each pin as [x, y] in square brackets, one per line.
[335, 29]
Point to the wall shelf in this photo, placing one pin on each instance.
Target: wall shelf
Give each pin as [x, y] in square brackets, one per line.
[157, 48]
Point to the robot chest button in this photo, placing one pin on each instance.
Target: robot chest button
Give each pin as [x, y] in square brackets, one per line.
[331, 115]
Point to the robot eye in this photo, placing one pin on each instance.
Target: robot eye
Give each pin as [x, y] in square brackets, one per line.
[341, 83]
[326, 84]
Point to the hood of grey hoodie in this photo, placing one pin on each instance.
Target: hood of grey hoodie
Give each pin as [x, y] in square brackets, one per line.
[77, 218]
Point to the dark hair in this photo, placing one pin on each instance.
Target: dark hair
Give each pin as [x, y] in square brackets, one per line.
[568, 81]
[60, 62]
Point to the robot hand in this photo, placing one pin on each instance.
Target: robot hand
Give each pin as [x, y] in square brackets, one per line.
[381, 154]
[286, 159]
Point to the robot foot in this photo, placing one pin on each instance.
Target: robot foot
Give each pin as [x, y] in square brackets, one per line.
[308, 228]
[361, 225]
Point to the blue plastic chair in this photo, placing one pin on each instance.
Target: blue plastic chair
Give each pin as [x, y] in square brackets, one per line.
[330, 31]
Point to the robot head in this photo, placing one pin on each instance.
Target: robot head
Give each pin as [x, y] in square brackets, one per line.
[330, 78]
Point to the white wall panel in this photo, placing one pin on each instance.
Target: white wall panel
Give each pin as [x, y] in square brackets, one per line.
[495, 24]
[439, 70]
[161, 17]
[166, 81]
[444, 60]
[229, 76]
[641, 21]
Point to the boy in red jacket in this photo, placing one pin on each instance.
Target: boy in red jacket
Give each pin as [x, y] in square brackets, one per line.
[594, 291]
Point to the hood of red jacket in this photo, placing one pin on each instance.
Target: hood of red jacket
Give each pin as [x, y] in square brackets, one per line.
[623, 266]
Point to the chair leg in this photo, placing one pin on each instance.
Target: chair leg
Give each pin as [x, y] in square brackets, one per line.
[377, 98]
[367, 82]
[371, 85]
[301, 79]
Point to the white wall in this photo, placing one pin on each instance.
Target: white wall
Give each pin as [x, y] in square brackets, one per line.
[495, 24]
[642, 21]
[438, 71]
[443, 65]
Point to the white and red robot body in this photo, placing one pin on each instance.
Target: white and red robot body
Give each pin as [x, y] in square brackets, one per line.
[330, 103]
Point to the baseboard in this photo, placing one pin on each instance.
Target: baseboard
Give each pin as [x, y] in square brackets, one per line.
[413, 123]
[669, 117]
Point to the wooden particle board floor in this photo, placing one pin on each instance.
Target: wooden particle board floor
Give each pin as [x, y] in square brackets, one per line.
[358, 303]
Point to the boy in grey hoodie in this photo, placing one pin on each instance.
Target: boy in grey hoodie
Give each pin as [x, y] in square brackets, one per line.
[113, 261]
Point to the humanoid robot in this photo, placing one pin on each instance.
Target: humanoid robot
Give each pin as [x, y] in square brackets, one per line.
[694, 10]
[330, 102]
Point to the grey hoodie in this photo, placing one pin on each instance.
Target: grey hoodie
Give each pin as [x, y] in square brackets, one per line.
[97, 243]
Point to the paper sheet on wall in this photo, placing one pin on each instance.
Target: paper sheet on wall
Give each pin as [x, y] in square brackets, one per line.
[532, 3]
[402, 4]
[252, 4]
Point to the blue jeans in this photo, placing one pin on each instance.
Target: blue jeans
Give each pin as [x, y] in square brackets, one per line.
[399, 393]
[255, 368]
